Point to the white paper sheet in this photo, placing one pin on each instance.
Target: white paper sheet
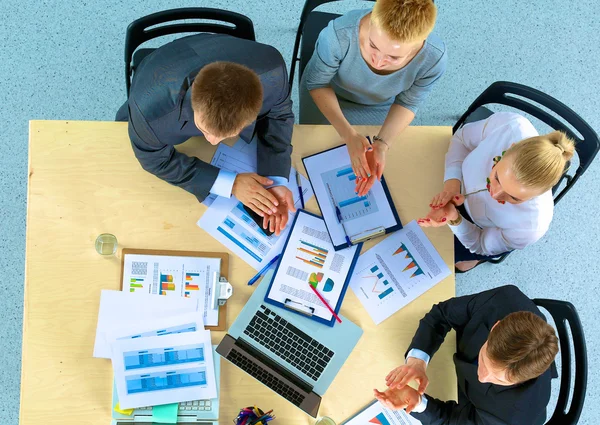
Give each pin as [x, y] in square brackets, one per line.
[164, 369]
[396, 271]
[377, 414]
[178, 323]
[332, 177]
[121, 308]
[241, 158]
[187, 277]
[309, 258]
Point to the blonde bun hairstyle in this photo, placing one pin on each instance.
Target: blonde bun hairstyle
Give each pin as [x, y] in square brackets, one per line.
[540, 161]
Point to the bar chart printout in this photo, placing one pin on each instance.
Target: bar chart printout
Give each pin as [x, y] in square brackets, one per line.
[396, 271]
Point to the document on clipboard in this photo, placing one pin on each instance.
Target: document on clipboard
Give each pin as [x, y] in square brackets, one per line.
[350, 218]
[309, 259]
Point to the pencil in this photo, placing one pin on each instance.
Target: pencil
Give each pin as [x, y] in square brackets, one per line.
[325, 302]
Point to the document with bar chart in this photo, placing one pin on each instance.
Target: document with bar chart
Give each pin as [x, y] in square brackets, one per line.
[334, 183]
[396, 271]
[310, 260]
[164, 369]
[189, 277]
[377, 414]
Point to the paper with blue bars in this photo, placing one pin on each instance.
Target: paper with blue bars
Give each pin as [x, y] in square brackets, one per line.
[164, 369]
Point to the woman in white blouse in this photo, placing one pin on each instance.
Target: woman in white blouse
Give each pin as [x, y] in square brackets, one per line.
[497, 193]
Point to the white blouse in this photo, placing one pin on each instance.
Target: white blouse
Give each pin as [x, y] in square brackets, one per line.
[473, 151]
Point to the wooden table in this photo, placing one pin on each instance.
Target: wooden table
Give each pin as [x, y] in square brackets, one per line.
[84, 180]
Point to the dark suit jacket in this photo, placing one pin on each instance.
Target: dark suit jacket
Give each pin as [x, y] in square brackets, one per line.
[160, 113]
[472, 317]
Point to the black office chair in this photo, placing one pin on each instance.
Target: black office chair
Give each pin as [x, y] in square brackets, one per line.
[311, 25]
[517, 96]
[138, 31]
[565, 316]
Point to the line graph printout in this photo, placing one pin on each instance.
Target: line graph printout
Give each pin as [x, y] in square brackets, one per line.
[396, 271]
[334, 182]
[377, 414]
[309, 259]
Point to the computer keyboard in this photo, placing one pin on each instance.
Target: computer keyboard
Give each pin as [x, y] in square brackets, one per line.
[288, 342]
[265, 377]
[190, 406]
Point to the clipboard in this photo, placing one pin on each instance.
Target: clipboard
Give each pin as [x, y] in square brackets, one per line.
[367, 234]
[302, 309]
[224, 272]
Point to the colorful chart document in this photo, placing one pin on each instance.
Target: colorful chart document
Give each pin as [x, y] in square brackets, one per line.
[164, 369]
[334, 184]
[187, 277]
[309, 259]
[396, 271]
[377, 414]
[121, 309]
[228, 222]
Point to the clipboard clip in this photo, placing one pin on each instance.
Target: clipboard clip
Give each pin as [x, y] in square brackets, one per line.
[299, 307]
[365, 235]
[221, 290]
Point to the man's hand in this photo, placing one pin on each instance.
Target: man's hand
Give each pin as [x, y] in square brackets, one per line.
[395, 399]
[358, 145]
[248, 188]
[439, 217]
[277, 221]
[413, 370]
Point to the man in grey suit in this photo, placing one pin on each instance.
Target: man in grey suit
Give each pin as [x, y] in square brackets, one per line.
[216, 86]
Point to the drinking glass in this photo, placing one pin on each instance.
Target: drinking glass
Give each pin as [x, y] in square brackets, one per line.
[106, 244]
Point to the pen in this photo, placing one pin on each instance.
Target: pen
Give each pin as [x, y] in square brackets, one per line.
[263, 270]
[338, 214]
[325, 302]
[299, 182]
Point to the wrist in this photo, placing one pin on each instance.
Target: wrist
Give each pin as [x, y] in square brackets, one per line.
[452, 185]
[456, 221]
[347, 134]
[380, 142]
[413, 361]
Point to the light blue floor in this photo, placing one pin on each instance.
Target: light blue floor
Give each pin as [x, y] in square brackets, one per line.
[64, 60]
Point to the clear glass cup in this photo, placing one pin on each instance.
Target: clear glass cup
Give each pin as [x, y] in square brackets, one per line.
[325, 420]
[106, 244]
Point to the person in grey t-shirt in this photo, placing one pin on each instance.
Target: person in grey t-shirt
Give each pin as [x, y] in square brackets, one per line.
[372, 68]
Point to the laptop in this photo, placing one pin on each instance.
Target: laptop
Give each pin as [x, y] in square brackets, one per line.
[294, 356]
[199, 412]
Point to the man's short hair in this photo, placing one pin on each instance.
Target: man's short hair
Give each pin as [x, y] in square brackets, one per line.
[523, 344]
[405, 21]
[228, 95]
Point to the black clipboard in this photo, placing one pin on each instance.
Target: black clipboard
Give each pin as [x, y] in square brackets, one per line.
[365, 236]
[305, 310]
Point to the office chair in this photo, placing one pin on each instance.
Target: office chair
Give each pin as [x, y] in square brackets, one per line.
[522, 97]
[311, 25]
[139, 31]
[565, 317]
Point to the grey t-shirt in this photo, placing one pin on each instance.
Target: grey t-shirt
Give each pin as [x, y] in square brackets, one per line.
[338, 63]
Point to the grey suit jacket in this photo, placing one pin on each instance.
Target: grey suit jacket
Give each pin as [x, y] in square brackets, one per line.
[160, 114]
[472, 317]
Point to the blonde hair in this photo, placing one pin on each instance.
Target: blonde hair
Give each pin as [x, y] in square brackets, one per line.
[540, 161]
[229, 96]
[405, 21]
[523, 344]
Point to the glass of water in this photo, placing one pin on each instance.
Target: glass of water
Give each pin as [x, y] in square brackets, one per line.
[106, 244]
[325, 420]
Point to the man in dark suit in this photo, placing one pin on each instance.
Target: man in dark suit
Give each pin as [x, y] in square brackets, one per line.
[216, 86]
[504, 362]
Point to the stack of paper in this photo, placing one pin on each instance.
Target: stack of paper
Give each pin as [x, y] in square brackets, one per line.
[159, 348]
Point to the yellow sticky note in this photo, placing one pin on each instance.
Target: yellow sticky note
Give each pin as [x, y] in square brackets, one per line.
[165, 414]
[127, 412]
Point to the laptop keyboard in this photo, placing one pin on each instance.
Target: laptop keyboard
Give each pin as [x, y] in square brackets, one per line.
[288, 342]
[192, 406]
[265, 377]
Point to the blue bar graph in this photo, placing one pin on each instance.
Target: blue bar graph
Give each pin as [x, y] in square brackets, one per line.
[163, 357]
[385, 282]
[344, 172]
[188, 327]
[352, 201]
[238, 243]
[149, 382]
[385, 293]
[380, 275]
[351, 177]
[374, 269]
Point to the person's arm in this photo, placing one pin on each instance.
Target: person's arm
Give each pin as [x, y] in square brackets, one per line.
[432, 411]
[165, 162]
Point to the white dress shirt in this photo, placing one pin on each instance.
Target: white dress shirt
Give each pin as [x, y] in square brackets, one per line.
[498, 227]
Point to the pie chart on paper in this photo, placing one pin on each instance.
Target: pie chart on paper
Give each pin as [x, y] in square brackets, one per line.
[316, 278]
